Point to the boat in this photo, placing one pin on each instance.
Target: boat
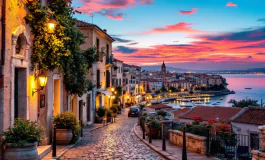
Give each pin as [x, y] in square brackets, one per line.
[185, 100]
[214, 103]
[221, 98]
[218, 102]
[248, 88]
[208, 103]
[186, 106]
[198, 103]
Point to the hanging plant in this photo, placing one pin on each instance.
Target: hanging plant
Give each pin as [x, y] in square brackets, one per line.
[62, 49]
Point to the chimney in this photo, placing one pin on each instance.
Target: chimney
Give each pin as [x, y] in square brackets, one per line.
[105, 30]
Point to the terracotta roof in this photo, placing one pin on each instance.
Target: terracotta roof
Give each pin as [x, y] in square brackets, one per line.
[86, 24]
[159, 106]
[208, 113]
[252, 115]
[83, 24]
[117, 60]
[169, 109]
[179, 112]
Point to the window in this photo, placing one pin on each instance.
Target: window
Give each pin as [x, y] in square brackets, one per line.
[98, 79]
[108, 78]
[107, 50]
[254, 141]
[98, 50]
[120, 82]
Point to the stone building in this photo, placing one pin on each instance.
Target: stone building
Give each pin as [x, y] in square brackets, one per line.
[20, 93]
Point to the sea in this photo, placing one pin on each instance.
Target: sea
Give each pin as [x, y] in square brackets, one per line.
[237, 83]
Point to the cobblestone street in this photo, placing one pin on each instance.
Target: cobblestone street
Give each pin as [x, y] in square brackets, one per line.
[115, 141]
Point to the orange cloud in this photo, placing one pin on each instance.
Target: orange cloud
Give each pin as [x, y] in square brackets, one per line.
[231, 4]
[188, 12]
[181, 27]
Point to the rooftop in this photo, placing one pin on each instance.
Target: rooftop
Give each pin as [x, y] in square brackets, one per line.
[179, 112]
[251, 115]
[86, 24]
[209, 113]
[159, 106]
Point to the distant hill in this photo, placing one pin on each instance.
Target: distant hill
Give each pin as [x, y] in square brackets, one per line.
[181, 70]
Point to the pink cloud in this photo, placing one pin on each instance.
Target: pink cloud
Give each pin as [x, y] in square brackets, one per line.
[109, 8]
[215, 48]
[181, 27]
[231, 4]
[111, 14]
[188, 12]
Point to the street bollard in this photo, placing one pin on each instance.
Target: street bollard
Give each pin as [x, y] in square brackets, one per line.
[81, 124]
[184, 151]
[143, 128]
[163, 138]
[208, 141]
[150, 135]
[54, 143]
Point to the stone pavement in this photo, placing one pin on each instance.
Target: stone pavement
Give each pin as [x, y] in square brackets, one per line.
[115, 141]
[61, 149]
[172, 151]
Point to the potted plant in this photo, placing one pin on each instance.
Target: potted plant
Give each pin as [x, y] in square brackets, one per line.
[114, 110]
[161, 113]
[21, 140]
[100, 114]
[109, 115]
[67, 128]
[154, 126]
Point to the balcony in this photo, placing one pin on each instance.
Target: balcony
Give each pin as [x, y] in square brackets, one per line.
[109, 61]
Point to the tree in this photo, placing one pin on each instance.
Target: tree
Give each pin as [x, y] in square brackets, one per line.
[244, 103]
[157, 92]
[163, 89]
[173, 89]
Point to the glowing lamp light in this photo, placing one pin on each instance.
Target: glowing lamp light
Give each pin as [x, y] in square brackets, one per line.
[42, 78]
[51, 25]
[112, 89]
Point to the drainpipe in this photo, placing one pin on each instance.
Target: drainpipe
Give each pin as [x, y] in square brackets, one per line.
[3, 32]
[2, 60]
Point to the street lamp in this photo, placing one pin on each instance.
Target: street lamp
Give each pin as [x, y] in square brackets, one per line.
[51, 25]
[112, 89]
[42, 78]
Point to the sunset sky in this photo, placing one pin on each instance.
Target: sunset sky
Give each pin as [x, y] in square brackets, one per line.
[190, 34]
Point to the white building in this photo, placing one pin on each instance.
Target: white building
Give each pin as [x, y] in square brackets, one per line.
[247, 122]
[117, 72]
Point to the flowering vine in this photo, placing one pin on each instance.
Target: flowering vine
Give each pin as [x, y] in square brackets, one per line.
[62, 49]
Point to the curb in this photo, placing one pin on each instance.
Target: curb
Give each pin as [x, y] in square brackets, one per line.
[150, 145]
[73, 145]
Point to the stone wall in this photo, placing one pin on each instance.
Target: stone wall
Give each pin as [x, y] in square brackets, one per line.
[258, 155]
[194, 143]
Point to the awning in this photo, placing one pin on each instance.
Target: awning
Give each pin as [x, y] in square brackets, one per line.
[105, 92]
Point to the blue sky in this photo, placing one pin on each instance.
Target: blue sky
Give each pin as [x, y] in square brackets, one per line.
[157, 29]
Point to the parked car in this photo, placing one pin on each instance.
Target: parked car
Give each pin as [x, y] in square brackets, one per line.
[133, 112]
